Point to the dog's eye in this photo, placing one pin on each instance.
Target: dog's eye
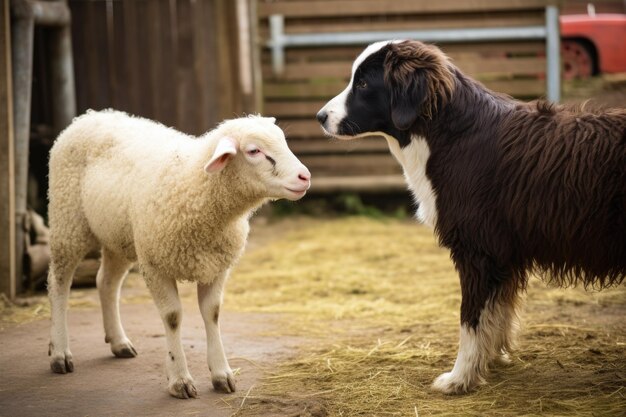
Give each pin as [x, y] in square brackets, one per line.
[361, 84]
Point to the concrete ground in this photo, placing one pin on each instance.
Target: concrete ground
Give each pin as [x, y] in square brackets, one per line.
[103, 385]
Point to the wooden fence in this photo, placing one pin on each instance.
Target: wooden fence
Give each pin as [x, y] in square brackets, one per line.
[312, 75]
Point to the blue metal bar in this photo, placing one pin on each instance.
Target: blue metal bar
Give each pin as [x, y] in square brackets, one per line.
[553, 54]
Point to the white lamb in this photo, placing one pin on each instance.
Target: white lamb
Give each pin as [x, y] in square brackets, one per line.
[175, 204]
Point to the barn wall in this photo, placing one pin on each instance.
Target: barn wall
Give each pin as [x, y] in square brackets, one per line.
[175, 61]
[602, 6]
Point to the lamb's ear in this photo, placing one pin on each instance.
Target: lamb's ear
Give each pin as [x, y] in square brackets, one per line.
[225, 149]
[271, 119]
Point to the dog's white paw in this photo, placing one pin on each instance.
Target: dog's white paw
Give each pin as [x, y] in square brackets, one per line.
[454, 383]
[502, 360]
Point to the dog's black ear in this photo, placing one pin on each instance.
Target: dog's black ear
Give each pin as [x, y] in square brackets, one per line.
[408, 95]
[419, 81]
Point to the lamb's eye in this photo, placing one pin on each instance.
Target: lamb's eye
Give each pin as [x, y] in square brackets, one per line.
[253, 151]
[361, 84]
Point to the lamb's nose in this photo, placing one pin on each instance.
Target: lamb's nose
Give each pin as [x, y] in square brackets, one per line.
[322, 116]
[304, 175]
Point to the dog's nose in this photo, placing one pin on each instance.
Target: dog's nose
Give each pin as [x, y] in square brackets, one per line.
[322, 116]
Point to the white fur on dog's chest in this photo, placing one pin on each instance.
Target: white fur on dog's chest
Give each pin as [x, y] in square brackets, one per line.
[413, 159]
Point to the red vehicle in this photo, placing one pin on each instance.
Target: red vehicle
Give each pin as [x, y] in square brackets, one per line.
[593, 44]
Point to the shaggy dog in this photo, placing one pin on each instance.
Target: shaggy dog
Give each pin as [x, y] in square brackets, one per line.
[509, 187]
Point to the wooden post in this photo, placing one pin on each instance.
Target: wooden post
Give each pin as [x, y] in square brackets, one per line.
[257, 74]
[22, 34]
[249, 59]
[7, 168]
[62, 72]
[26, 14]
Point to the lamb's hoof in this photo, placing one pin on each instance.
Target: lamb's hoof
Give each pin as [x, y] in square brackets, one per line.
[224, 383]
[450, 383]
[62, 364]
[183, 388]
[124, 350]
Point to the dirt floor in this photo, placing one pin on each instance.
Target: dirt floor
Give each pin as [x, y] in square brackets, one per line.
[103, 385]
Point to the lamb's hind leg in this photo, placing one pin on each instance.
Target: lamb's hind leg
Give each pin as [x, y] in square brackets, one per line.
[60, 276]
[210, 301]
[113, 270]
[165, 294]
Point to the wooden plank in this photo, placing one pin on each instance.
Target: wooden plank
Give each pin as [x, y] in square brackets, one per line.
[120, 76]
[212, 66]
[307, 70]
[302, 128]
[411, 22]
[101, 70]
[131, 55]
[518, 48]
[186, 114]
[527, 88]
[302, 90]
[155, 74]
[471, 64]
[144, 69]
[293, 109]
[223, 58]
[232, 34]
[324, 145]
[481, 67]
[8, 281]
[79, 51]
[349, 53]
[351, 164]
[522, 87]
[361, 183]
[110, 62]
[246, 23]
[167, 80]
[200, 60]
[338, 8]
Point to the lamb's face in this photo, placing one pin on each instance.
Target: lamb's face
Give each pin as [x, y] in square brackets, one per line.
[257, 149]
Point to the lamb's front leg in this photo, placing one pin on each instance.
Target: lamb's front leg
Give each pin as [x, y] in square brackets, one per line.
[210, 301]
[165, 294]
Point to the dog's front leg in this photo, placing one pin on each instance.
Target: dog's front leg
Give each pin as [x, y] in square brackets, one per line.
[488, 321]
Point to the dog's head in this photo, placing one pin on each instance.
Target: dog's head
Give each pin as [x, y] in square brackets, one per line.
[394, 86]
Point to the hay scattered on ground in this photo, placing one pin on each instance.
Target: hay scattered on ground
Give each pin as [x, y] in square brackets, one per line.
[36, 306]
[379, 301]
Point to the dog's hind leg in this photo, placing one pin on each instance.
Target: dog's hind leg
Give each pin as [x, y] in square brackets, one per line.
[487, 322]
[508, 325]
